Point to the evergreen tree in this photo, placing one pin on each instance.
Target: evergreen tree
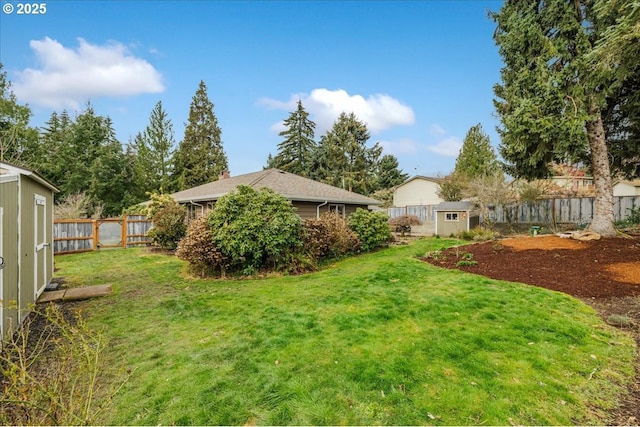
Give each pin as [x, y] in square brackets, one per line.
[550, 99]
[153, 159]
[55, 152]
[343, 159]
[200, 157]
[389, 173]
[295, 152]
[18, 141]
[476, 157]
[618, 52]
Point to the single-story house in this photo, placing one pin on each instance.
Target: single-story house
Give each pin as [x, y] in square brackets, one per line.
[627, 188]
[310, 198]
[417, 196]
[454, 217]
[26, 241]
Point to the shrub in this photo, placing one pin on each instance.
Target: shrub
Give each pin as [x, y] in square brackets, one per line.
[371, 228]
[253, 228]
[478, 234]
[49, 370]
[405, 220]
[168, 225]
[198, 249]
[403, 223]
[329, 237]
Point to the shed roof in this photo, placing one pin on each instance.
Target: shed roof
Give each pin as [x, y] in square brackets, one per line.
[455, 206]
[289, 185]
[9, 169]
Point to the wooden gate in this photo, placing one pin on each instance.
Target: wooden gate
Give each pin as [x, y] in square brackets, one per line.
[82, 235]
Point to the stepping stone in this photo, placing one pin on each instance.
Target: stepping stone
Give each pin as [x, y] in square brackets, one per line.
[74, 294]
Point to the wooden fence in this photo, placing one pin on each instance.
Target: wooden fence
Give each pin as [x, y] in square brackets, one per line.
[577, 211]
[425, 213]
[82, 235]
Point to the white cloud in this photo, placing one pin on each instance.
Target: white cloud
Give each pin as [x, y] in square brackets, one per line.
[278, 127]
[378, 111]
[68, 77]
[449, 147]
[436, 129]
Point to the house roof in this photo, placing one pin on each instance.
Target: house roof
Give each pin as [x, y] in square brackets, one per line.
[288, 185]
[9, 169]
[454, 206]
[424, 178]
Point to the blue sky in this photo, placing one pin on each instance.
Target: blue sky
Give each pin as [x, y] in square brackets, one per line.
[419, 73]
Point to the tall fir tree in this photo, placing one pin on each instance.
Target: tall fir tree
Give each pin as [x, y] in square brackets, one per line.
[200, 157]
[55, 152]
[295, 152]
[343, 158]
[477, 157]
[389, 173]
[153, 150]
[618, 52]
[550, 98]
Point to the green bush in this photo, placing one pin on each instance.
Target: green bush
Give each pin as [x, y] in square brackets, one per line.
[478, 234]
[255, 228]
[372, 228]
[168, 222]
[630, 221]
[198, 249]
[329, 237]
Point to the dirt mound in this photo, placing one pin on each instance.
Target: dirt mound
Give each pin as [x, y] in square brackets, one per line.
[593, 269]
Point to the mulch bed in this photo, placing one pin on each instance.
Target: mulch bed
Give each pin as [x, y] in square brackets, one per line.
[604, 273]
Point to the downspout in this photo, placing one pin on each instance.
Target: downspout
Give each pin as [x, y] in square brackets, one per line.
[197, 204]
[318, 208]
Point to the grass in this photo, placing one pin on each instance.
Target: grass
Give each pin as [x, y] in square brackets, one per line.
[377, 339]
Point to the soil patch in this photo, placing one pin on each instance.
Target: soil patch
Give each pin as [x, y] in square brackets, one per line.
[604, 273]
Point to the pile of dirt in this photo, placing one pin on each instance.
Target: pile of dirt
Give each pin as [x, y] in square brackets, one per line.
[604, 273]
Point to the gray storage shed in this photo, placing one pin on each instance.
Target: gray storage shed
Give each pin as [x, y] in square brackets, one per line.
[454, 217]
[26, 242]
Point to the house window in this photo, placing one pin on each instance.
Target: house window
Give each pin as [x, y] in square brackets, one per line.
[339, 209]
[451, 216]
[194, 211]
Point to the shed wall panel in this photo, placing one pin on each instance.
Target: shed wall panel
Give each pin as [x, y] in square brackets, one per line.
[9, 203]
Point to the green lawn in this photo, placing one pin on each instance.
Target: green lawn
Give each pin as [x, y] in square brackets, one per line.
[376, 339]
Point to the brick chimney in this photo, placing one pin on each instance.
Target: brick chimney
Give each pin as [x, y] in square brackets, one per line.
[224, 175]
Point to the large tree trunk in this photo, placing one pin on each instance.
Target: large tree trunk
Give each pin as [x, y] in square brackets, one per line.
[603, 210]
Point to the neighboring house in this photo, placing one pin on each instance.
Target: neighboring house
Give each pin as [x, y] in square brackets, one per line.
[627, 188]
[416, 196]
[568, 181]
[417, 191]
[454, 217]
[26, 241]
[309, 197]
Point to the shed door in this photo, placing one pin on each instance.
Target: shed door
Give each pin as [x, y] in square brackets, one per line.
[41, 245]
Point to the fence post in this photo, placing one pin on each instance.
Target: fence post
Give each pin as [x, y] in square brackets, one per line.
[95, 235]
[124, 231]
